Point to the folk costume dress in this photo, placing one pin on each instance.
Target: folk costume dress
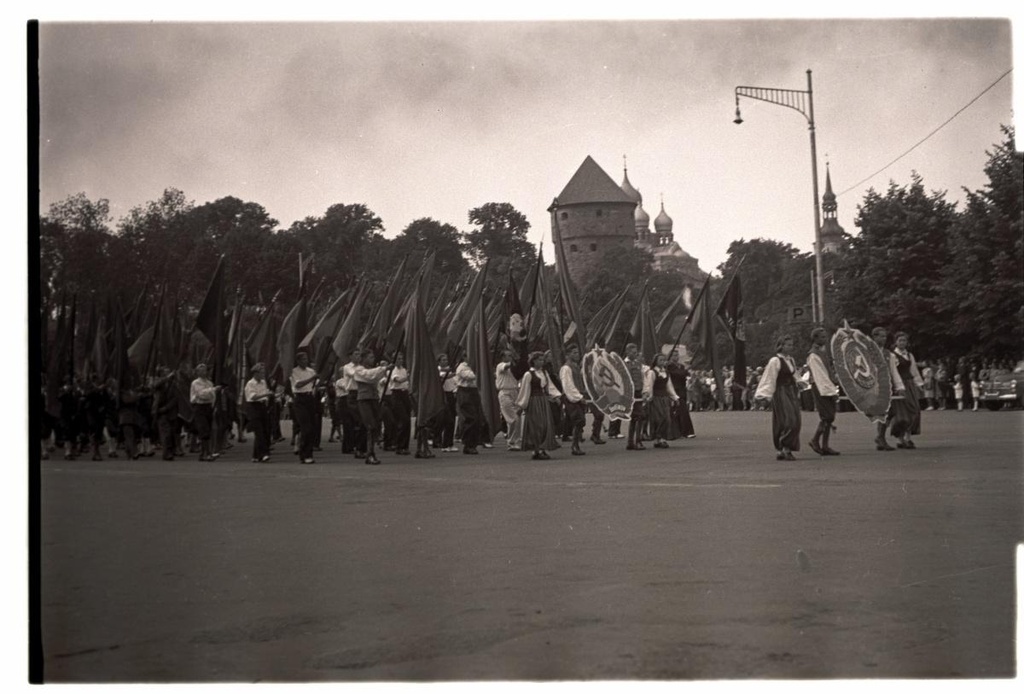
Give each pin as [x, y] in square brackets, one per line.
[660, 394]
[681, 424]
[778, 383]
[906, 411]
[538, 425]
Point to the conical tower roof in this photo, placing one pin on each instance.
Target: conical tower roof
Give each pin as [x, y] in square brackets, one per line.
[591, 184]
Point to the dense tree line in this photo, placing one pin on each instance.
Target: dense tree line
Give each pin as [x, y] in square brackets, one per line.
[950, 277]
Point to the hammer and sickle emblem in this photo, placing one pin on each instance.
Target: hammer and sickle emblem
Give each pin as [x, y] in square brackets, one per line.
[606, 376]
[863, 368]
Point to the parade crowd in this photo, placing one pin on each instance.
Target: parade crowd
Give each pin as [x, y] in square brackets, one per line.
[370, 406]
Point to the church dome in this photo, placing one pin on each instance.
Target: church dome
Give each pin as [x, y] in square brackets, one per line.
[663, 223]
[643, 220]
[629, 190]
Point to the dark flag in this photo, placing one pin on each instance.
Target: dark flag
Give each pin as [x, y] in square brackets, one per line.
[345, 339]
[730, 312]
[704, 329]
[478, 355]
[464, 312]
[293, 328]
[422, 364]
[259, 346]
[568, 292]
[210, 321]
[605, 338]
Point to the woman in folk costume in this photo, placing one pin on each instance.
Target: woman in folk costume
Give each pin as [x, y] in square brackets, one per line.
[536, 393]
[660, 396]
[880, 335]
[681, 424]
[778, 384]
[906, 412]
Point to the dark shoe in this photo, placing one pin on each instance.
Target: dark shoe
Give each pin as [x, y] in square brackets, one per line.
[576, 450]
[630, 447]
[816, 448]
[788, 456]
[910, 444]
[544, 455]
[829, 451]
[900, 444]
[536, 456]
[372, 460]
[566, 439]
[112, 454]
[780, 456]
[880, 444]
[598, 440]
[470, 451]
[359, 455]
[640, 446]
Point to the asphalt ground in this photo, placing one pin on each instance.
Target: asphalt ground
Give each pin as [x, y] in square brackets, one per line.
[708, 560]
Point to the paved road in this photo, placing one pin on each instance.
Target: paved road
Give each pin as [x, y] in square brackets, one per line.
[707, 560]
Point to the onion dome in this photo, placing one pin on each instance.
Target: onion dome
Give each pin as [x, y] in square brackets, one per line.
[643, 220]
[628, 187]
[663, 223]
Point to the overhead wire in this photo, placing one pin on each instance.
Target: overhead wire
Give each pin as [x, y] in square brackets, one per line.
[929, 135]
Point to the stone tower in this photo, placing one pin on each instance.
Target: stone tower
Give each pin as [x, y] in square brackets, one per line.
[833, 237]
[591, 215]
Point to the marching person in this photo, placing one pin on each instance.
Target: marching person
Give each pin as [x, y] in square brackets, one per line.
[203, 396]
[571, 376]
[353, 433]
[257, 397]
[398, 402]
[128, 420]
[445, 431]
[536, 392]
[906, 413]
[165, 411]
[824, 390]
[880, 335]
[367, 376]
[637, 417]
[508, 389]
[778, 384]
[660, 396]
[470, 410]
[681, 425]
[303, 381]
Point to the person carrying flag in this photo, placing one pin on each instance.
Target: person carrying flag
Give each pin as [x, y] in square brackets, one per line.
[638, 415]
[367, 377]
[303, 381]
[573, 388]
[507, 386]
[257, 397]
[824, 390]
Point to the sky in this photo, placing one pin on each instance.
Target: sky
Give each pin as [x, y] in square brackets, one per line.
[431, 119]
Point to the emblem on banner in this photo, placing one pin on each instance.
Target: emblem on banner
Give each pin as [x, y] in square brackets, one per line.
[608, 383]
[862, 371]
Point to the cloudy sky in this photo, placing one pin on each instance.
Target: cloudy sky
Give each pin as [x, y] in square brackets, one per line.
[432, 119]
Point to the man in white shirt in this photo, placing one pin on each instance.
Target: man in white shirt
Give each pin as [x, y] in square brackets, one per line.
[470, 409]
[257, 394]
[573, 389]
[202, 396]
[508, 389]
[824, 390]
[303, 382]
[353, 437]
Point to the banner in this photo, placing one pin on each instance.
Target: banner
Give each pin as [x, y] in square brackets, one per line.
[608, 383]
[863, 371]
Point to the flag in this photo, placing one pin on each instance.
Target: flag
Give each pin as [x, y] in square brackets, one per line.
[730, 312]
[464, 312]
[422, 364]
[375, 335]
[599, 320]
[568, 292]
[345, 339]
[317, 341]
[664, 324]
[292, 329]
[210, 320]
[643, 331]
[616, 318]
[54, 377]
[704, 329]
[259, 347]
[478, 355]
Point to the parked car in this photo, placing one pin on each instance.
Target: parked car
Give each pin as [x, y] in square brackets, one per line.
[1004, 388]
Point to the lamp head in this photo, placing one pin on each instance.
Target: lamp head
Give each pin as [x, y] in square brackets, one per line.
[738, 119]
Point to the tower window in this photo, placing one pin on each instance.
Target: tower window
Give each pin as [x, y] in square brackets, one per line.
[565, 215]
[599, 212]
[573, 248]
[593, 246]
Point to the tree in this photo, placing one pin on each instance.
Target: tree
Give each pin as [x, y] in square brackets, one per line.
[340, 241]
[76, 245]
[890, 275]
[501, 239]
[426, 235]
[983, 281]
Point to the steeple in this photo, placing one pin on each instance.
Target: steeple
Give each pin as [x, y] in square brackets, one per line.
[833, 237]
[828, 200]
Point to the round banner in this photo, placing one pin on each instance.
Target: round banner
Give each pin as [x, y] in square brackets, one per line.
[608, 383]
[863, 371]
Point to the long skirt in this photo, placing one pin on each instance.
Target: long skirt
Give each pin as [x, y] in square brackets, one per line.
[539, 426]
[660, 411]
[786, 418]
[681, 424]
[905, 412]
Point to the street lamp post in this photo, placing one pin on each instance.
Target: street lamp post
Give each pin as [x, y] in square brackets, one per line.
[802, 101]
